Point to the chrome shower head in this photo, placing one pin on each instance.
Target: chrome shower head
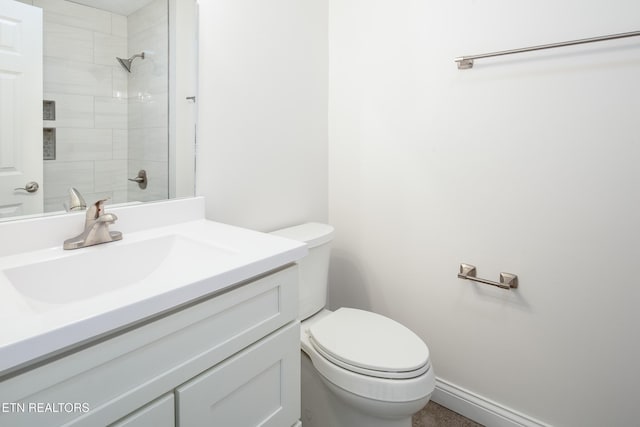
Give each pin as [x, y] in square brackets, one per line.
[126, 63]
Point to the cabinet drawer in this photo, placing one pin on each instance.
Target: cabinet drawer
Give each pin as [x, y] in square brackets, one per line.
[159, 413]
[259, 386]
[123, 373]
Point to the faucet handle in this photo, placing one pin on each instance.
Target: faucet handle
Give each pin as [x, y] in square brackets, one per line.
[96, 209]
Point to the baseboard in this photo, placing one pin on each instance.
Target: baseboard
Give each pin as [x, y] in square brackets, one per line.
[480, 409]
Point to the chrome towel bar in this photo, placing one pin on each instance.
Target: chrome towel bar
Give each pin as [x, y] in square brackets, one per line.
[507, 280]
[466, 62]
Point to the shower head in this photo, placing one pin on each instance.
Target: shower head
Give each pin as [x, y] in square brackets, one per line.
[126, 63]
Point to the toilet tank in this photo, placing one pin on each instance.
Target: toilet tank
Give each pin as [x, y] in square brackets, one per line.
[314, 268]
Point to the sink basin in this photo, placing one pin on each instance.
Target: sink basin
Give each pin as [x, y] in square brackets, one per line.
[109, 268]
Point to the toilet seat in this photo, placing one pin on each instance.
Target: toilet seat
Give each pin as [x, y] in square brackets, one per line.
[369, 344]
[368, 386]
[370, 372]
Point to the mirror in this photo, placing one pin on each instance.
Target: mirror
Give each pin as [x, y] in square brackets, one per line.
[117, 97]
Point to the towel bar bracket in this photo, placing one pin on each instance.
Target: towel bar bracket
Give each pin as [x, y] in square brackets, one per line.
[507, 280]
[464, 64]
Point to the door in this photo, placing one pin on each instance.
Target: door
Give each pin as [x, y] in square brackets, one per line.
[20, 108]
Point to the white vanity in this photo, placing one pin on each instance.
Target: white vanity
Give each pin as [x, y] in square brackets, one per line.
[184, 322]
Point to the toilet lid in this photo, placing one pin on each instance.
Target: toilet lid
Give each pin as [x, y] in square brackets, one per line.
[370, 344]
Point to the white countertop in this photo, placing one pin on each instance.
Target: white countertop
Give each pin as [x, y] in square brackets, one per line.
[34, 328]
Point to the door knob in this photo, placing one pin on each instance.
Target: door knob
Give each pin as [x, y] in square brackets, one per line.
[30, 187]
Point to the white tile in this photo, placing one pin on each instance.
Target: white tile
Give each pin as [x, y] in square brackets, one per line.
[149, 144]
[156, 111]
[75, 111]
[136, 145]
[26, 1]
[135, 108]
[120, 143]
[153, 39]
[154, 14]
[54, 204]
[151, 74]
[155, 65]
[84, 144]
[119, 196]
[118, 25]
[66, 42]
[62, 76]
[73, 14]
[59, 176]
[147, 111]
[120, 82]
[108, 47]
[110, 113]
[111, 175]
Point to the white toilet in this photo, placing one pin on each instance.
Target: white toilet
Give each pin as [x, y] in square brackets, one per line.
[359, 369]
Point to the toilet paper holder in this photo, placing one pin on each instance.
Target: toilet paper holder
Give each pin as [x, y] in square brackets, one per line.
[507, 280]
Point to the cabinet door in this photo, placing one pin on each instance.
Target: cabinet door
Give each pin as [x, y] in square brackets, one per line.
[159, 413]
[258, 386]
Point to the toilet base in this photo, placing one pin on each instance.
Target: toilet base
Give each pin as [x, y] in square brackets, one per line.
[324, 404]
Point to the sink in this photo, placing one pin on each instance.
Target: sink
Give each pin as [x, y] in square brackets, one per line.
[110, 268]
[55, 300]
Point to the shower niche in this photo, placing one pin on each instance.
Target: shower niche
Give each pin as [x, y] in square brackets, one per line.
[48, 143]
[48, 110]
[48, 133]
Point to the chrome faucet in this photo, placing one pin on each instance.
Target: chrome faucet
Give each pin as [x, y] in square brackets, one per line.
[96, 228]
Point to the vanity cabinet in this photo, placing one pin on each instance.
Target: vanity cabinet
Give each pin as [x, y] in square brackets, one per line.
[228, 359]
[159, 413]
[258, 386]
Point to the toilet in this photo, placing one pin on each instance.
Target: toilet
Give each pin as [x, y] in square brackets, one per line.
[358, 368]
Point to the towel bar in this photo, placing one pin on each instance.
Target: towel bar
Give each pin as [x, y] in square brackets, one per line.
[466, 62]
[507, 280]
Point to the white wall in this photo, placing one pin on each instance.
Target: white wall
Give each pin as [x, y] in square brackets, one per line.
[262, 154]
[525, 164]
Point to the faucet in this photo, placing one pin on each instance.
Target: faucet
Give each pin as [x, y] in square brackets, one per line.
[76, 201]
[96, 228]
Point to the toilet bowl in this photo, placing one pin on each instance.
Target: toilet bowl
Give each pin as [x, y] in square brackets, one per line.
[362, 395]
[358, 368]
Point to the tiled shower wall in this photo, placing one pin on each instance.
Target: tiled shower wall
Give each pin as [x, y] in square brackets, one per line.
[89, 87]
[147, 31]
[109, 123]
